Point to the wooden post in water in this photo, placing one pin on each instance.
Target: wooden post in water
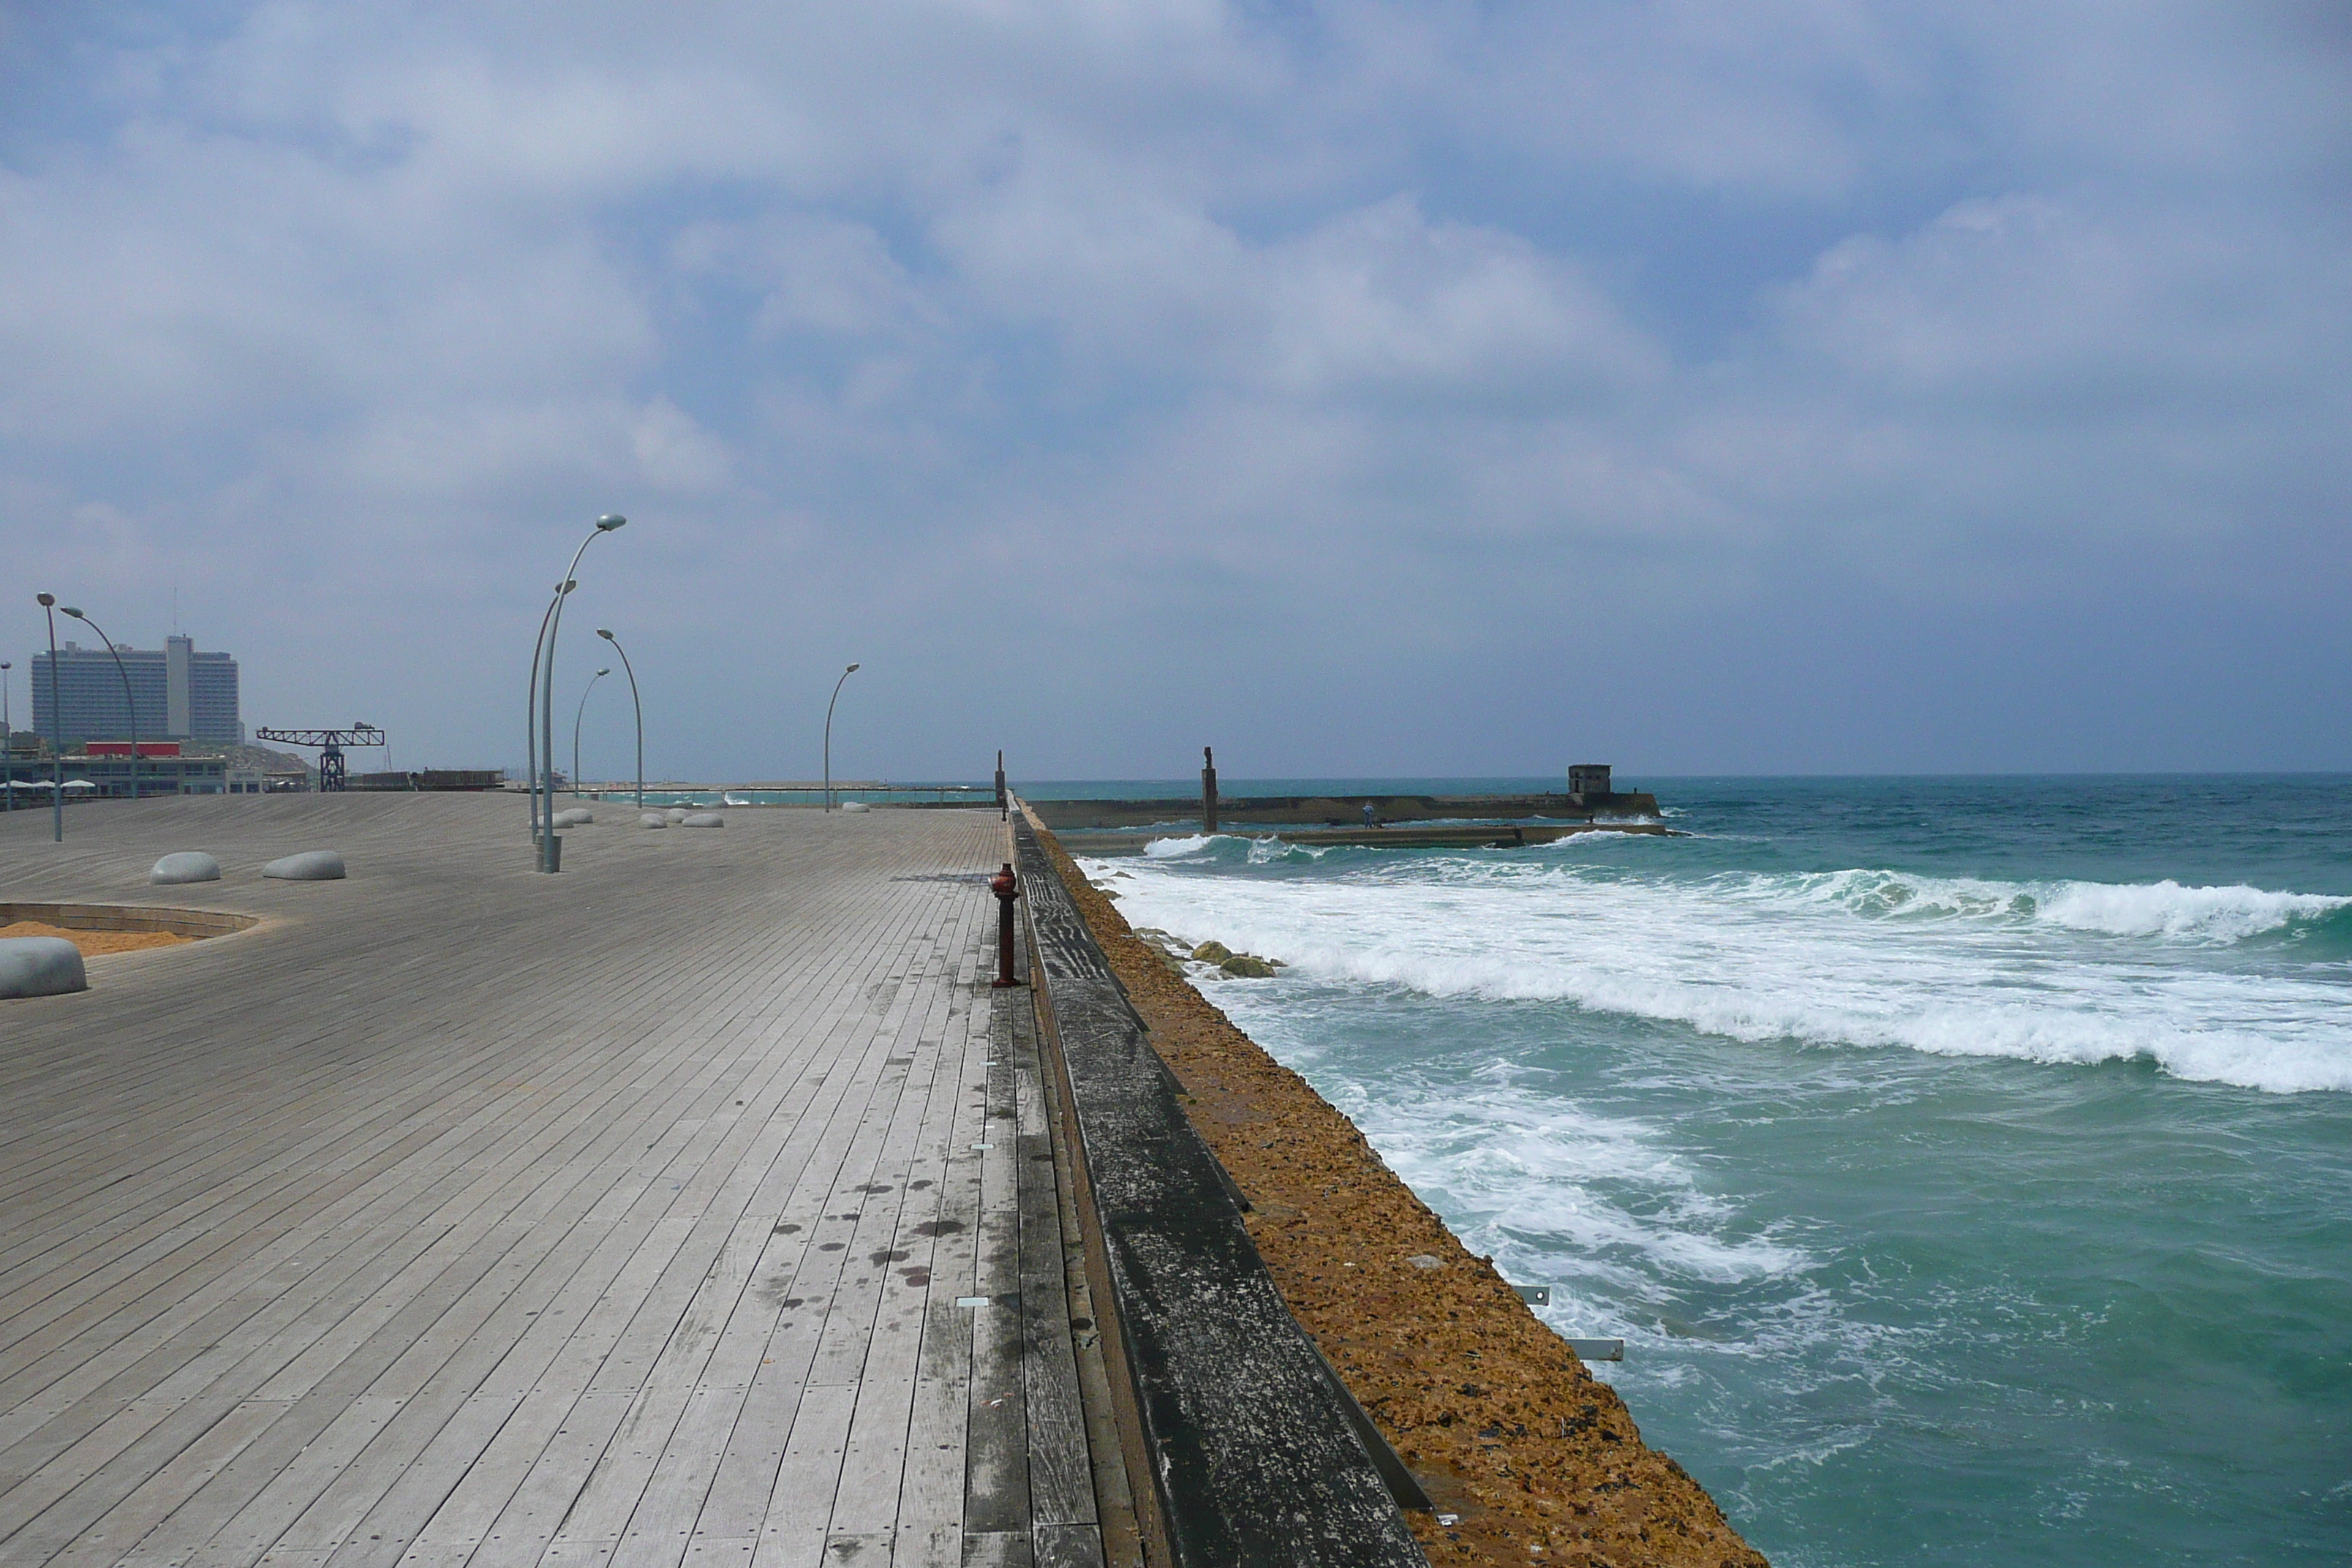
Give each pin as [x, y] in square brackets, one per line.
[1208, 790]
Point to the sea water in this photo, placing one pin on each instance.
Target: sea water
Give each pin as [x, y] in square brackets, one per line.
[1966, 1163]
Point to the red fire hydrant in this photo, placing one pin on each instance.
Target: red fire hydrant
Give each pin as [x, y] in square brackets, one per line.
[1007, 888]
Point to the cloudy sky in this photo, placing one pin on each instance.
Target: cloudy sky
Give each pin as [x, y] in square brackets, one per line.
[1753, 386]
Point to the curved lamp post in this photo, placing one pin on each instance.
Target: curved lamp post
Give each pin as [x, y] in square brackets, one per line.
[632, 674]
[129, 701]
[7, 749]
[57, 727]
[530, 708]
[828, 734]
[543, 666]
[577, 714]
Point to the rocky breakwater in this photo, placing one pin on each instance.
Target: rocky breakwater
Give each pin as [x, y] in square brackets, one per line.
[1216, 961]
[1528, 1457]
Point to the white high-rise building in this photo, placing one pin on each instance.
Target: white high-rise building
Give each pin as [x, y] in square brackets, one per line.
[181, 694]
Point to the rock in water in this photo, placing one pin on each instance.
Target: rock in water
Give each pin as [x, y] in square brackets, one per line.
[186, 866]
[703, 819]
[1213, 953]
[1246, 967]
[309, 866]
[653, 819]
[40, 967]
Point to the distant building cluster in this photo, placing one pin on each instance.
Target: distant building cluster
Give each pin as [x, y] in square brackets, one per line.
[176, 694]
[185, 705]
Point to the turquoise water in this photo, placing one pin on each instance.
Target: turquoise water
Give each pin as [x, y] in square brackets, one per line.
[1968, 1162]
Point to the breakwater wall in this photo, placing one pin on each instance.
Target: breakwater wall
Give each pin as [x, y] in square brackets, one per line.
[1251, 1444]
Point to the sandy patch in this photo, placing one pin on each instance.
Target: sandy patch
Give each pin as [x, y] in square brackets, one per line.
[1493, 1410]
[94, 942]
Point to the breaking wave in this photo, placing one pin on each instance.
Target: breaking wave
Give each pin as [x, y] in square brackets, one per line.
[2071, 972]
[2165, 909]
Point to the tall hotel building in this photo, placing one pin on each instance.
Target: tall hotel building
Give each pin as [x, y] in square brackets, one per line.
[182, 695]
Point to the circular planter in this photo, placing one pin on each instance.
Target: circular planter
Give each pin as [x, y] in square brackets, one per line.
[53, 966]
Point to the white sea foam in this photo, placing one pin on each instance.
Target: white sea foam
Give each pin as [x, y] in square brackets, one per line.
[2060, 973]
[1605, 1208]
[1171, 848]
[2167, 909]
[1266, 851]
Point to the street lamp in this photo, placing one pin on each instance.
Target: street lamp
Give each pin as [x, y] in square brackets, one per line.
[543, 667]
[579, 713]
[57, 727]
[7, 751]
[129, 701]
[531, 711]
[633, 703]
[828, 734]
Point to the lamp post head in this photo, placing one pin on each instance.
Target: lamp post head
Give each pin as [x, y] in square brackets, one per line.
[851, 670]
[603, 673]
[45, 599]
[606, 635]
[77, 615]
[609, 521]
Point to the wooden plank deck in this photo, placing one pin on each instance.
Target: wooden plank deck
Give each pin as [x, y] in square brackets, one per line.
[461, 1214]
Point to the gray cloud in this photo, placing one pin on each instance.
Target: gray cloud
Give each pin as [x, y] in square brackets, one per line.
[1389, 387]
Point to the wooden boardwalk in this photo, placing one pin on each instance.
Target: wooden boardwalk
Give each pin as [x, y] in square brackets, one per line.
[694, 1206]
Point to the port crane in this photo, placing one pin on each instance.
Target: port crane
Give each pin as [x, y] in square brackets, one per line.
[329, 745]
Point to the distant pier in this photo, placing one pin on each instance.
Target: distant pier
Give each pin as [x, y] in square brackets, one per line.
[1366, 821]
[1422, 836]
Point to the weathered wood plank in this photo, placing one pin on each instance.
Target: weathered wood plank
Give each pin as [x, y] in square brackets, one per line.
[1061, 1483]
[996, 1471]
[807, 1479]
[997, 1549]
[1069, 1546]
